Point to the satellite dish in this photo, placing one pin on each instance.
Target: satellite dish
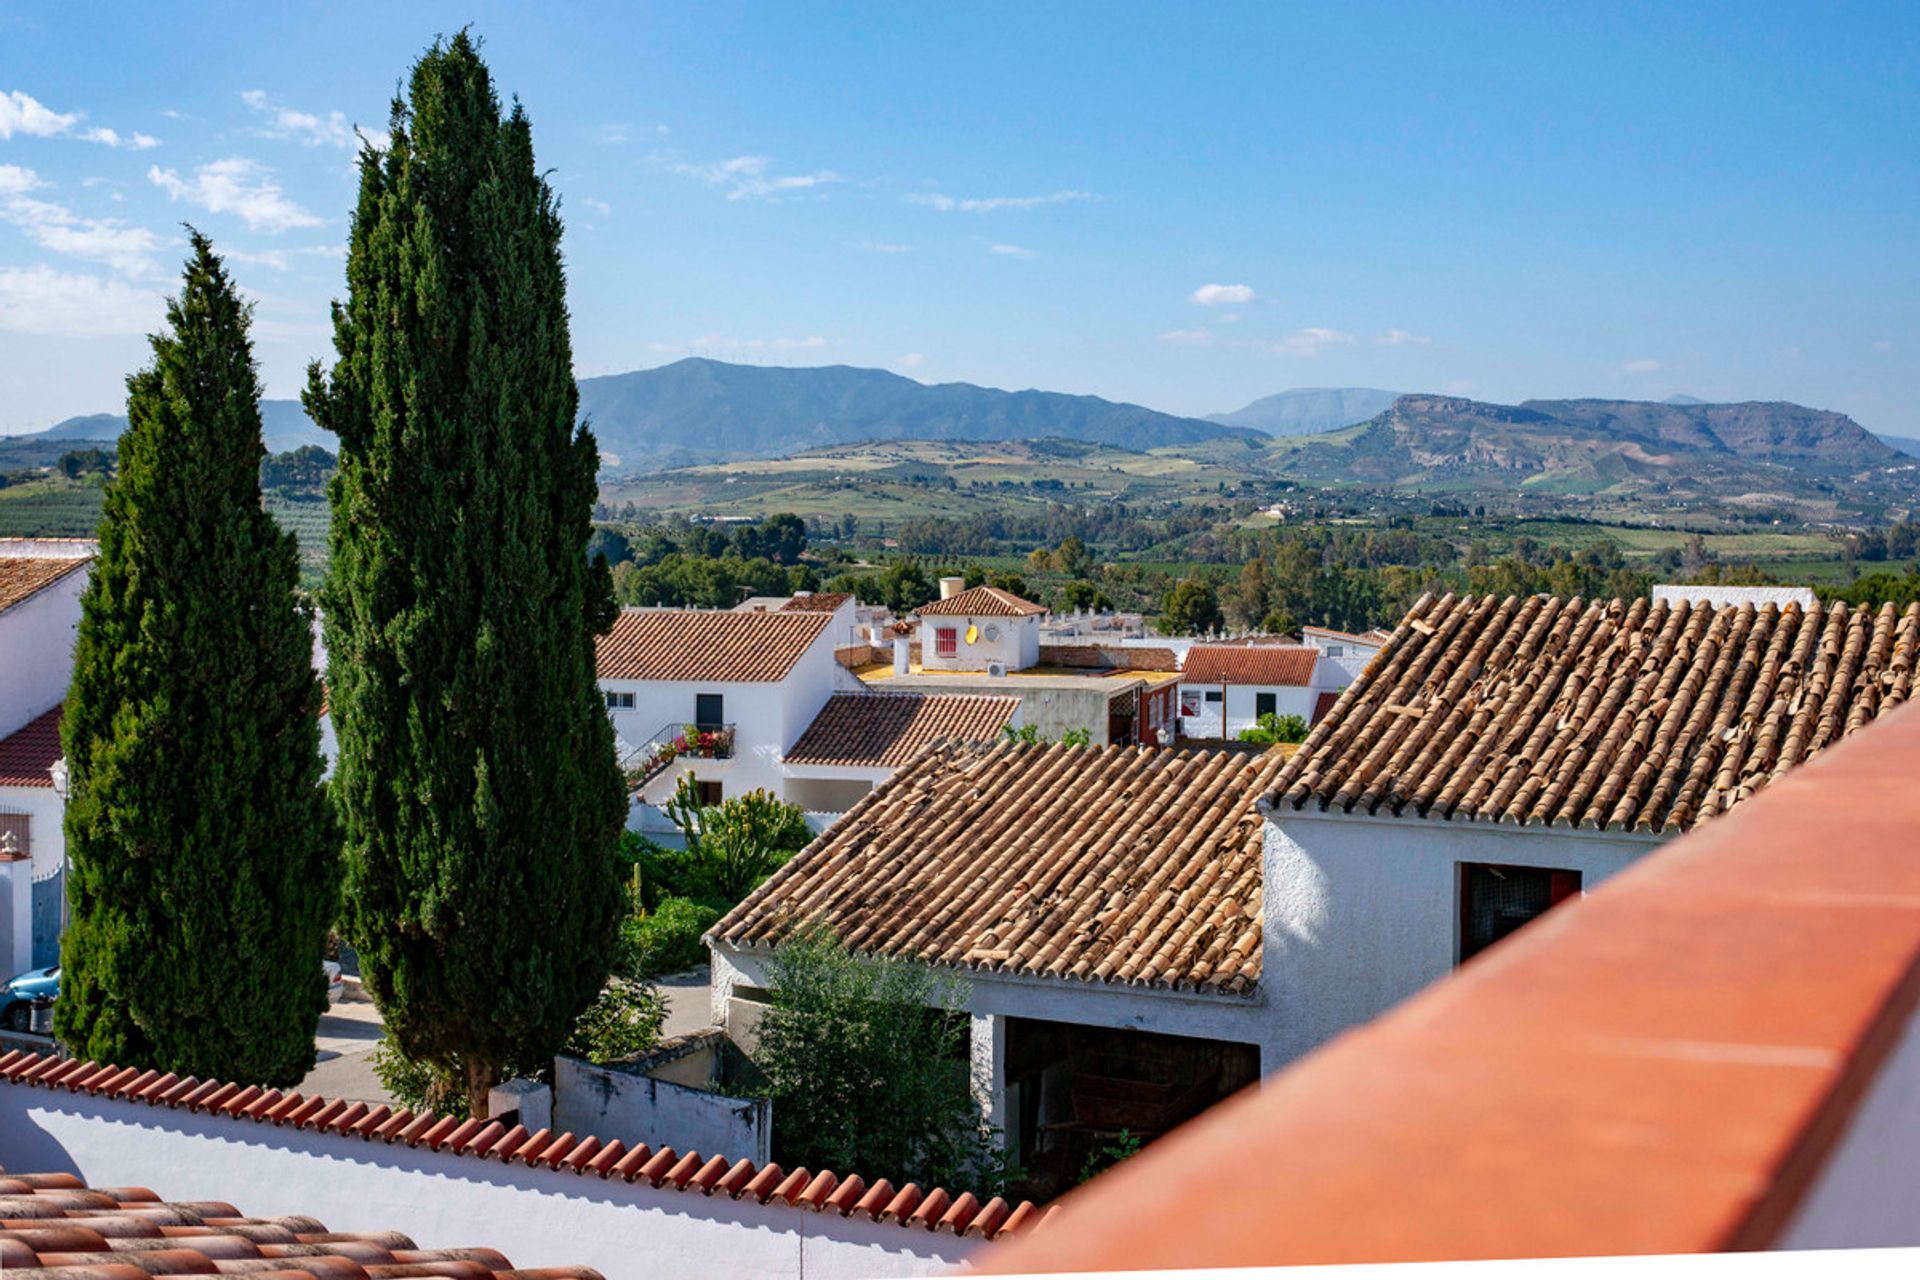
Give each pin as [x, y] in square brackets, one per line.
[973, 633]
[993, 633]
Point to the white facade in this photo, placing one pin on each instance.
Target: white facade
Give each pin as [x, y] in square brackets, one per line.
[1361, 912]
[1723, 597]
[1014, 643]
[1351, 653]
[1222, 712]
[768, 717]
[36, 649]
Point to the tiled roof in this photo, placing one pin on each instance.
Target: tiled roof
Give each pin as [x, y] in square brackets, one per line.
[1105, 864]
[1249, 664]
[1324, 703]
[29, 751]
[702, 644]
[1108, 657]
[883, 730]
[22, 576]
[55, 1221]
[1624, 716]
[910, 1206]
[818, 602]
[981, 602]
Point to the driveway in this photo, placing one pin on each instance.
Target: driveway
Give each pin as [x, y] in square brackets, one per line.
[348, 1032]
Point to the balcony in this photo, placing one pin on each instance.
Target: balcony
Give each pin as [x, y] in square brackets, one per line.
[643, 762]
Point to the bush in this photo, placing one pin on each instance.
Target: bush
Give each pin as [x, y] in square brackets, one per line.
[866, 1062]
[735, 845]
[668, 939]
[1273, 728]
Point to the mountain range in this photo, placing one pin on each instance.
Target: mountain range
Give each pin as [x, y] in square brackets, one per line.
[700, 411]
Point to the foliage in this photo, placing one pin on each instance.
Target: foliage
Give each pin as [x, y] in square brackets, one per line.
[85, 462]
[1079, 595]
[1103, 1159]
[1276, 728]
[204, 858]
[865, 1060]
[417, 1084]
[706, 582]
[739, 842]
[626, 1019]
[667, 939]
[1030, 735]
[1189, 609]
[303, 470]
[477, 780]
[1879, 588]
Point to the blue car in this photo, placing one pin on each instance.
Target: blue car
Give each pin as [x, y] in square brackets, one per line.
[36, 988]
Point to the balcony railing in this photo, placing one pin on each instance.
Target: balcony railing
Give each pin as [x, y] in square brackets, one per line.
[643, 762]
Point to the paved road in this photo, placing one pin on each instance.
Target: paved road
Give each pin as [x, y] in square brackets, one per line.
[688, 1008]
[348, 1032]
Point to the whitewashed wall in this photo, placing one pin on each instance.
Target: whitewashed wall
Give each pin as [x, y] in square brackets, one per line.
[1018, 645]
[537, 1217]
[1242, 708]
[686, 1116]
[1361, 912]
[36, 650]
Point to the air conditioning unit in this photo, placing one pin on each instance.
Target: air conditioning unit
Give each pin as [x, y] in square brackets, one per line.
[996, 669]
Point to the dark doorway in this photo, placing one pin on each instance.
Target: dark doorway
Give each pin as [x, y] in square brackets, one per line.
[709, 711]
[1495, 900]
[1265, 704]
[1076, 1095]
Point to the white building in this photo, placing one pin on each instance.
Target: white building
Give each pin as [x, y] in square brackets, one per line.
[979, 629]
[1720, 597]
[1351, 651]
[40, 586]
[1226, 688]
[859, 740]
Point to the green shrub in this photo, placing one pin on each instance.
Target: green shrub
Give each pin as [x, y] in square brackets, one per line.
[624, 1020]
[666, 940]
[1273, 728]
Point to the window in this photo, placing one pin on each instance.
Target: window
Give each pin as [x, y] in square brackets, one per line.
[1214, 695]
[1334, 650]
[1496, 900]
[1266, 704]
[708, 793]
[619, 701]
[1189, 702]
[20, 827]
[946, 642]
[709, 710]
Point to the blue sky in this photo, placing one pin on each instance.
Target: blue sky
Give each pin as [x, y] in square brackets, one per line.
[1183, 206]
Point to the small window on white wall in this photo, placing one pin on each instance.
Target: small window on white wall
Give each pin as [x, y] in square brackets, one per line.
[619, 701]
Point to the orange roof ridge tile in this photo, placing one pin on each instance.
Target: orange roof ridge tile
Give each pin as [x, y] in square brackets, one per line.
[981, 602]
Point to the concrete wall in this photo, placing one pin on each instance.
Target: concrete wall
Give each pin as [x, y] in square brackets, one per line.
[16, 917]
[1242, 707]
[36, 650]
[673, 1105]
[1868, 1193]
[1352, 658]
[537, 1217]
[1362, 912]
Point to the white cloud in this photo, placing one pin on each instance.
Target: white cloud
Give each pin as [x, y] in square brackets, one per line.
[281, 259]
[600, 207]
[1216, 295]
[881, 246]
[1311, 341]
[237, 186]
[991, 204]
[306, 128]
[41, 300]
[611, 135]
[125, 248]
[1187, 337]
[1010, 251]
[746, 178]
[22, 114]
[1641, 366]
[1402, 338]
[911, 360]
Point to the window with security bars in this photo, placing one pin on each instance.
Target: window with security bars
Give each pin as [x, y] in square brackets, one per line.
[946, 642]
[1495, 900]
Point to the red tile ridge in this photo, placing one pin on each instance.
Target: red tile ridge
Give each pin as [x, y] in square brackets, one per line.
[682, 1172]
[877, 1198]
[222, 1094]
[904, 1202]
[554, 1152]
[657, 1166]
[369, 1124]
[709, 1175]
[298, 1114]
[323, 1116]
[193, 1099]
[960, 1214]
[394, 1125]
[528, 1150]
[814, 1196]
[992, 1216]
[607, 1157]
[458, 1136]
[792, 1185]
[503, 1147]
[423, 1122]
[931, 1209]
[482, 1142]
[763, 1183]
[582, 1152]
[151, 1091]
[629, 1166]
[847, 1195]
[738, 1178]
[436, 1133]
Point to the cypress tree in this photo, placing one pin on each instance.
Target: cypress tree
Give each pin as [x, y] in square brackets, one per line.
[204, 859]
[476, 784]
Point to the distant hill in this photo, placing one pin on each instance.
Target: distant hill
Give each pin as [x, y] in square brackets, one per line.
[1594, 446]
[1683, 400]
[1307, 411]
[698, 410]
[1905, 444]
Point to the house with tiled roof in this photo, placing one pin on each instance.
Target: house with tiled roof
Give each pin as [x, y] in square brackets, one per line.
[720, 694]
[1501, 756]
[860, 739]
[1351, 651]
[979, 629]
[1101, 907]
[40, 585]
[1226, 688]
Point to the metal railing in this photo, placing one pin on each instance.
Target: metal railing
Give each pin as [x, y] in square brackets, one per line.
[643, 762]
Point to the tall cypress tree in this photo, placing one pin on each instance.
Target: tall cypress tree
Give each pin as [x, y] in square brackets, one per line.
[205, 860]
[477, 783]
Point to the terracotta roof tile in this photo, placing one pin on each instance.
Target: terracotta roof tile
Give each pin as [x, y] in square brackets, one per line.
[884, 730]
[982, 602]
[1249, 664]
[1617, 715]
[818, 602]
[1122, 864]
[30, 751]
[23, 576]
[111, 1232]
[56, 1196]
[1107, 657]
[700, 644]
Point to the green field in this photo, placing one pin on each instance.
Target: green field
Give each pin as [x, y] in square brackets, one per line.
[54, 507]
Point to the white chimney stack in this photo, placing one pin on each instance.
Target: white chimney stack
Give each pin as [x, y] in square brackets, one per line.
[951, 587]
[900, 657]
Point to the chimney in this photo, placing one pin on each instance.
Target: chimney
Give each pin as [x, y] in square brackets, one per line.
[951, 587]
[900, 656]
